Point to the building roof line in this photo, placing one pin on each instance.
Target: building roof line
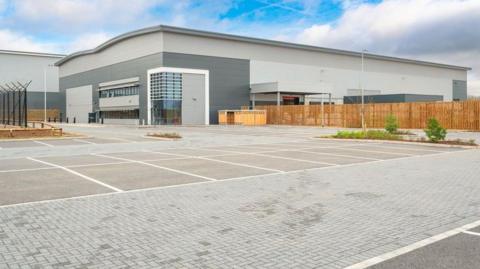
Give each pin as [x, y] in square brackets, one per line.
[32, 53]
[215, 35]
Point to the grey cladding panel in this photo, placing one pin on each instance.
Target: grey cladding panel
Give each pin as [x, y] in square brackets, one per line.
[229, 79]
[459, 88]
[134, 68]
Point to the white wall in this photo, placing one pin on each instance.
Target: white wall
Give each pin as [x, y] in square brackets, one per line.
[341, 80]
[119, 103]
[23, 68]
[79, 103]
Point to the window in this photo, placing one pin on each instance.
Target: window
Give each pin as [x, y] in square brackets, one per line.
[120, 114]
[117, 92]
[166, 97]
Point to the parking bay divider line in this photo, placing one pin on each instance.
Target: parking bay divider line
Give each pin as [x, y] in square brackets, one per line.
[156, 166]
[207, 157]
[77, 174]
[43, 143]
[390, 255]
[471, 233]
[226, 181]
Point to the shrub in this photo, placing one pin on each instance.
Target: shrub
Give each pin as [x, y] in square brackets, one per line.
[165, 135]
[391, 124]
[435, 132]
[370, 134]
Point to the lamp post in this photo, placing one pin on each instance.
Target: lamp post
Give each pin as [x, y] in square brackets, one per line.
[362, 92]
[45, 92]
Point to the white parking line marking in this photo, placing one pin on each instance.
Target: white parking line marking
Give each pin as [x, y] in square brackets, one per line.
[84, 141]
[381, 152]
[276, 157]
[227, 180]
[77, 174]
[472, 233]
[241, 164]
[43, 143]
[156, 166]
[414, 246]
[340, 155]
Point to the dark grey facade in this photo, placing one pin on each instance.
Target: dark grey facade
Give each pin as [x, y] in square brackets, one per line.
[392, 98]
[229, 79]
[35, 100]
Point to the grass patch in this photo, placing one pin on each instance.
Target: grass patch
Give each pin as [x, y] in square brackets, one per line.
[370, 134]
[165, 135]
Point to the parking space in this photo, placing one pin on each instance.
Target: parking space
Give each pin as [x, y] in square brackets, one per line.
[244, 195]
[124, 171]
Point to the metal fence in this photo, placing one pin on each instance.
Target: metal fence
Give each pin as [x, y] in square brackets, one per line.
[13, 102]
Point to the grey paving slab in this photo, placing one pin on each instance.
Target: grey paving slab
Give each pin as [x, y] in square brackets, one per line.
[359, 153]
[31, 186]
[460, 252]
[393, 149]
[19, 144]
[269, 162]
[211, 169]
[328, 218]
[130, 176]
[311, 156]
[20, 163]
[62, 142]
[97, 140]
[192, 152]
[241, 149]
[476, 230]
[78, 160]
[421, 146]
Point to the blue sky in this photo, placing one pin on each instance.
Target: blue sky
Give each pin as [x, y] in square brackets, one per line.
[435, 30]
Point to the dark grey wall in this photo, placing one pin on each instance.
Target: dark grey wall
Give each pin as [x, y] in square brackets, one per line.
[459, 90]
[229, 79]
[35, 100]
[133, 68]
[392, 98]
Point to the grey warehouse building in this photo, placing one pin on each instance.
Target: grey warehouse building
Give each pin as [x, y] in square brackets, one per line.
[170, 75]
[22, 67]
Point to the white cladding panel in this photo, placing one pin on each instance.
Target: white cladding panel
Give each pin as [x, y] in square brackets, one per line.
[125, 50]
[23, 68]
[119, 103]
[182, 43]
[343, 80]
[79, 103]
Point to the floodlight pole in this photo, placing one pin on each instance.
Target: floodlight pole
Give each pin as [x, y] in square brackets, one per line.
[45, 94]
[362, 91]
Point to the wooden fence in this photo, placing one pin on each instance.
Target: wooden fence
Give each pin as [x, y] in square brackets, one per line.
[463, 115]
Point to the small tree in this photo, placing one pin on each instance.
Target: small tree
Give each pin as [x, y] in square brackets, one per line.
[435, 132]
[391, 124]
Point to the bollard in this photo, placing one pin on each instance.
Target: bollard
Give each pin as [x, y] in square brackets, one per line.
[74, 120]
[67, 120]
[102, 120]
[48, 119]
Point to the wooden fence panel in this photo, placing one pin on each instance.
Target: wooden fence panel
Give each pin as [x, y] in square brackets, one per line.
[463, 115]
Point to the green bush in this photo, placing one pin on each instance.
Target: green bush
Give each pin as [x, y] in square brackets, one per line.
[391, 124]
[435, 132]
[370, 134]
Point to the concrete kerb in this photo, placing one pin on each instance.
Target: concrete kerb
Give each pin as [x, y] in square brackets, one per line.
[220, 181]
[396, 142]
[46, 138]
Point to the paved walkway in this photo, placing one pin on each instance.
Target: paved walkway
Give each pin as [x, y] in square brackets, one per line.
[324, 218]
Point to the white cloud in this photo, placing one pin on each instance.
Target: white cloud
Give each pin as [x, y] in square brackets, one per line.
[87, 41]
[437, 30]
[76, 15]
[10, 40]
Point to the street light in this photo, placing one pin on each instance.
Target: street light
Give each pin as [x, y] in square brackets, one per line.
[45, 91]
[362, 92]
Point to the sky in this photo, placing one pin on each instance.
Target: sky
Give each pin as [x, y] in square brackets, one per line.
[445, 31]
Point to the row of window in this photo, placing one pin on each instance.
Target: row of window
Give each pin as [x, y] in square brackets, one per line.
[120, 114]
[166, 86]
[117, 92]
